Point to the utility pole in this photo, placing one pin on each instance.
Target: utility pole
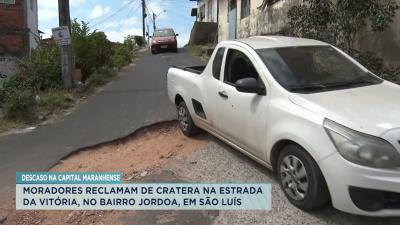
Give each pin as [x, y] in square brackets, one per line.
[154, 21]
[143, 19]
[148, 36]
[67, 59]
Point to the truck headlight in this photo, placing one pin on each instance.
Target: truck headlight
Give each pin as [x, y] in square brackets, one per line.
[361, 148]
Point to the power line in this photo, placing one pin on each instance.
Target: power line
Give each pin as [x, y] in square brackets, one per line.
[115, 13]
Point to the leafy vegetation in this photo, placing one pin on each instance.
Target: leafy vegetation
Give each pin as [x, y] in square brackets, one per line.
[196, 50]
[92, 49]
[139, 41]
[340, 22]
[36, 90]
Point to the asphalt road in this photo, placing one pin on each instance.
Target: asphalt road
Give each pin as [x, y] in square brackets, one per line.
[135, 98]
[218, 162]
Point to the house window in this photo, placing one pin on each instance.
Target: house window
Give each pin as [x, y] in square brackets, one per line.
[11, 2]
[245, 9]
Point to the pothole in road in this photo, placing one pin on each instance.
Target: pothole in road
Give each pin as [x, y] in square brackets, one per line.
[145, 149]
[136, 156]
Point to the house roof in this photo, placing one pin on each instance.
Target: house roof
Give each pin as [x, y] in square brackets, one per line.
[259, 42]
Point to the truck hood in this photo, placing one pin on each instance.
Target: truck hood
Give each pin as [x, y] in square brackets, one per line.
[373, 109]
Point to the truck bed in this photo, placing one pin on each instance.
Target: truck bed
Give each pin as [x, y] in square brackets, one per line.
[192, 69]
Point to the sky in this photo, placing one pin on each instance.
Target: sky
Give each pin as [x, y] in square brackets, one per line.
[119, 18]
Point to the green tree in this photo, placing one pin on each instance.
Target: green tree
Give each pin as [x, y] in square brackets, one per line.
[130, 42]
[101, 48]
[139, 41]
[92, 49]
[121, 56]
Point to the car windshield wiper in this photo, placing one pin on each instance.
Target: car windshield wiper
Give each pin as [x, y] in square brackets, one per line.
[317, 87]
[351, 83]
[313, 87]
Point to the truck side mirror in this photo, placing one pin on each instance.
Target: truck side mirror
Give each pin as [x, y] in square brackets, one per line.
[176, 35]
[249, 85]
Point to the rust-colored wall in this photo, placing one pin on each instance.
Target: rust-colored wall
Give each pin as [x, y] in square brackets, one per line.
[12, 16]
[13, 32]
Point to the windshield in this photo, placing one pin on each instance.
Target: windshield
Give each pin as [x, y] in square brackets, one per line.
[164, 33]
[314, 68]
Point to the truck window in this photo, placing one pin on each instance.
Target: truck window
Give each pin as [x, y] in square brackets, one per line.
[238, 66]
[217, 63]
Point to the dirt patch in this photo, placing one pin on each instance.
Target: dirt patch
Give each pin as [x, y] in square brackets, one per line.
[136, 156]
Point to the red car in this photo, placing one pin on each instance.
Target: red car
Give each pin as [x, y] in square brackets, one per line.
[164, 39]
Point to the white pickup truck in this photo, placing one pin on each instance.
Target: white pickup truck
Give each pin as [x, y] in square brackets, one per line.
[303, 108]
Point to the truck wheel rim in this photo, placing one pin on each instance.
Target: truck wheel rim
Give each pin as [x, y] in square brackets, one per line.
[294, 177]
[182, 117]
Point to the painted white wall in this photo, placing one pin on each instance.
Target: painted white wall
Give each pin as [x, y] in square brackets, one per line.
[210, 10]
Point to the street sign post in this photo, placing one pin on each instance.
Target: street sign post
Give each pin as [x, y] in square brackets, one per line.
[61, 35]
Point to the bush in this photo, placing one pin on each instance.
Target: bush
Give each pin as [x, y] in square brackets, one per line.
[391, 73]
[91, 49]
[196, 50]
[20, 105]
[121, 56]
[15, 84]
[375, 64]
[40, 71]
[55, 100]
[101, 77]
[139, 41]
[339, 22]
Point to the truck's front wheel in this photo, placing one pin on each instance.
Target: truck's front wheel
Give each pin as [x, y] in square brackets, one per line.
[301, 179]
[186, 124]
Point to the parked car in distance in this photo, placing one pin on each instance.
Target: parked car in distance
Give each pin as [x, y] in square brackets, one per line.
[164, 40]
[327, 126]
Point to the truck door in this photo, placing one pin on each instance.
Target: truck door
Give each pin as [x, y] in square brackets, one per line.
[241, 117]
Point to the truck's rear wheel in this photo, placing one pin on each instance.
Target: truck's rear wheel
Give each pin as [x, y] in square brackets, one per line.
[186, 124]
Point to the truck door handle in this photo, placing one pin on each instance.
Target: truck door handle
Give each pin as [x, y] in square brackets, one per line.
[223, 94]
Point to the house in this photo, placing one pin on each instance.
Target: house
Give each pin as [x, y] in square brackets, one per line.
[244, 18]
[207, 11]
[19, 32]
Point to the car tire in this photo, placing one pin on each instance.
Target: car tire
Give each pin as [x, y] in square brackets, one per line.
[186, 124]
[304, 186]
[153, 52]
[176, 50]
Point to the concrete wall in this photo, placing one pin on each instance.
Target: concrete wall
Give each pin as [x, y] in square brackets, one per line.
[223, 20]
[386, 44]
[260, 22]
[210, 10]
[203, 33]
[273, 19]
